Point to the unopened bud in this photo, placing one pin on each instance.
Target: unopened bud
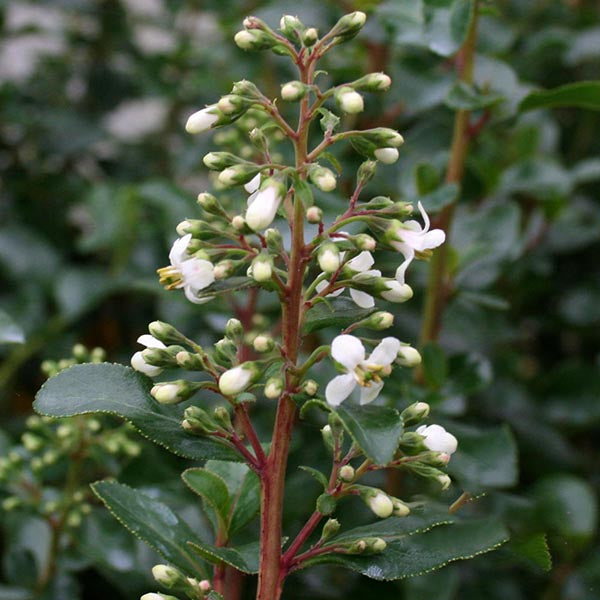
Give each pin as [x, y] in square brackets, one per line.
[221, 416]
[232, 104]
[331, 527]
[310, 37]
[415, 413]
[387, 156]
[329, 258]
[347, 473]
[238, 174]
[380, 503]
[253, 40]
[234, 329]
[314, 214]
[274, 387]
[236, 380]
[383, 137]
[373, 82]
[400, 508]
[290, 26]
[326, 504]
[363, 242]
[323, 178]
[380, 320]
[239, 223]
[167, 576]
[310, 387]
[263, 343]
[202, 120]
[408, 356]
[366, 171]
[394, 291]
[225, 350]
[328, 437]
[349, 25]
[292, 91]
[173, 392]
[349, 100]
[165, 333]
[261, 269]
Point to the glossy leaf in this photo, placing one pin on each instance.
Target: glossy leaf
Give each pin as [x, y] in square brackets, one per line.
[212, 489]
[151, 521]
[581, 94]
[336, 312]
[462, 96]
[225, 286]
[414, 552]
[376, 429]
[435, 366]
[118, 390]
[243, 558]
[532, 549]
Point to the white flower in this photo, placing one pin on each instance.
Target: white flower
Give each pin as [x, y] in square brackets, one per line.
[235, 380]
[202, 120]
[411, 238]
[187, 272]
[381, 505]
[349, 352]
[397, 292]
[137, 360]
[361, 265]
[387, 156]
[438, 439]
[263, 205]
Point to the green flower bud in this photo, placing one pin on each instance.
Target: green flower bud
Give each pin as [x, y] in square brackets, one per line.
[173, 392]
[225, 350]
[331, 527]
[380, 320]
[349, 25]
[274, 240]
[238, 174]
[415, 413]
[291, 27]
[349, 100]
[322, 177]
[310, 387]
[165, 333]
[263, 343]
[190, 361]
[329, 257]
[373, 82]
[253, 40]
[310, 37]
[222, 418]
[328, 437]
[233, 104]
[210, 204]
[383, 137]
[274, 387]
[234, 330]
[408, 356]
[293, 91]
[363, 242]
[314, 214]
[217, 161]
[246, 88]
[326, 504]
[379, 502]
[366, 171]
[347, 473]
[32, 442]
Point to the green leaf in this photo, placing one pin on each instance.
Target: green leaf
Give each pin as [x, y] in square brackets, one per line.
[118, 390]
[532, 549]
[461, 16]
[581, 94]
[568, 508]
[316, 474]
[338, 313]
[417, 544]
[244, 490]
[462, 96]
[435, 366]
[225, 286]
[10, 332]
[441, 584]
[151, 521]
[427, 178]
[485, 459]
[243, 558]
[303, 191]
[212, 489]
[376, 429]
[328, 121]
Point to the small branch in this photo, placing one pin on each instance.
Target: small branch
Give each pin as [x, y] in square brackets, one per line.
[249, 431]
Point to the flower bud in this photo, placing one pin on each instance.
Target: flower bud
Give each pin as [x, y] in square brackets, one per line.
[217, 161]
[349, 25]
[33, 443]
[157, 596]
[415, 413]
[205, 586]
[197, 420]
[202, 120]
[293, 91]
[168, 576]
[347, 473]
[435, 459]
[326, 504]
[210, 204]
[224, 269]
[173, 392]
[165, 333]
[373, 82]
[239, 223]
[400, 508]
[328, 437]
[444, 481]
[367, 546]
[238, 174]
[225, 350]
[408, 356]
[290, 27]
[331, 527]
[383, 137]
[222, 418]
[394, 291]
[436, 438]
[329, 258]
[261, 269]
[264, 204]
[310, 37]
[349, 100]
[247, 89]
[323, 178]
[387, 156]
[363, 242]
[366, 171]
[161, 357]
[314, 214]
[310, 387]
[236, 380]
[274, 387]
[379, 320]
[234, 329]
[253, 40]
[380, 503]
[232, 104]
[263, 343]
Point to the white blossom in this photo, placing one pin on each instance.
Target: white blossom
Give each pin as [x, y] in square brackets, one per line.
[137, 360]
[410, 238]
[364, 371]
[263, 205]
[202, 120]
[187, 272]
[438, 439]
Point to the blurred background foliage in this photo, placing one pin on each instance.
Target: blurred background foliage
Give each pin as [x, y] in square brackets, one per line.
[97, 171]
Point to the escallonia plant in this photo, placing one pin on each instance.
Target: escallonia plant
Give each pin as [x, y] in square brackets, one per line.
[268, 235]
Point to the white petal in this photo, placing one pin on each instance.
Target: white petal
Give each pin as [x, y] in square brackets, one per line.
[262, 210]
[362, 262]
[191, 295]
[253, 184]
[385, 353]
[339, 388]
[368, 394]
[150, 341]
[139, 364]
[432, 239]
[424, 215]
[197, 273]
[362, 299]
[348, 351]
[178, 251]
[438, 439]
[201, 120]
